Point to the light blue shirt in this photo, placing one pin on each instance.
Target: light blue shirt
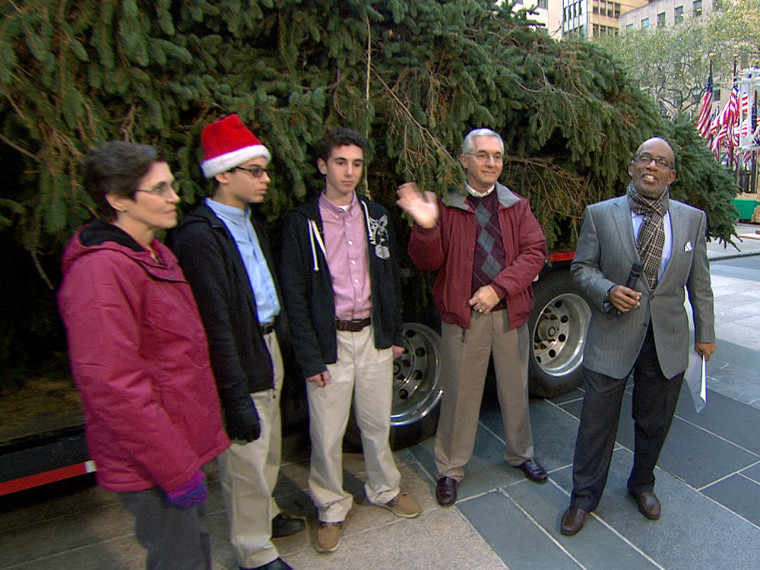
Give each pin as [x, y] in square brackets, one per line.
[238, 222]
[667, 249]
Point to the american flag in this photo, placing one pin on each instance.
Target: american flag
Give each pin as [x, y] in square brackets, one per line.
[705, 109]
[725, 123]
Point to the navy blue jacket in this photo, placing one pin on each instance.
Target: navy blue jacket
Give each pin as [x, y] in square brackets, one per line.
[212, 264]
[307, 285]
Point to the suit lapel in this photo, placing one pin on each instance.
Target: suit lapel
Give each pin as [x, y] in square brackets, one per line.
[622, 218]
[680, 239]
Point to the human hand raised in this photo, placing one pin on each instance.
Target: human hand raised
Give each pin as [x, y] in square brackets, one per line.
[423, 207]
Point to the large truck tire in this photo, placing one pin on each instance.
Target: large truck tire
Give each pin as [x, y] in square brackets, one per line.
[557, 327]
[416, 390]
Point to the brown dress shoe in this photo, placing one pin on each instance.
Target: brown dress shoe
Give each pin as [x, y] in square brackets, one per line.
[649, 505]
[533, 470]
[446, 491]
[572, 521]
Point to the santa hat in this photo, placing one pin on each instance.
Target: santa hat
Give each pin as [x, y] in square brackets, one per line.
[227, 144]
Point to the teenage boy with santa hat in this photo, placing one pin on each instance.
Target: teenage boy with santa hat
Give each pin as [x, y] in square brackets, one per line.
[226, 258]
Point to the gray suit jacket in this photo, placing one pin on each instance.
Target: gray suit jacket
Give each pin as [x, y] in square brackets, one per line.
[606, 250]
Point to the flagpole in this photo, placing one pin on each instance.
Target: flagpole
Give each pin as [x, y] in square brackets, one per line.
[731, 158]
[753, 129]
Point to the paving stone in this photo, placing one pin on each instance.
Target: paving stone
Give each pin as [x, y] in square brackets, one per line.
[512, 535]
[439, 538]
[752, 472]
[694, 532]
[725, 417]
[593, 547]
[739, 494]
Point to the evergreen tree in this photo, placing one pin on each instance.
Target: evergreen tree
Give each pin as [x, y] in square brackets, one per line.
[413, 75]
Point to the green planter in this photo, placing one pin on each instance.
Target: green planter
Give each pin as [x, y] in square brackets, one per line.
[746, 208]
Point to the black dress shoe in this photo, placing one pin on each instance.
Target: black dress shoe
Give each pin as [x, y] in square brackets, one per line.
[649, 505]
[533, 471]
[276, 564]
[284, 525]
[446, 491]
[572, 521]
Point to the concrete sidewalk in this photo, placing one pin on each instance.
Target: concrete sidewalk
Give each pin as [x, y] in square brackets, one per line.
[708, 480]
[747, 243]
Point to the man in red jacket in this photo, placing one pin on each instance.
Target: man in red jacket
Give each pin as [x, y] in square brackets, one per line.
[487, 248]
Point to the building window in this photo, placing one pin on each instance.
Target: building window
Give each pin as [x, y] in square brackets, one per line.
[543, 4]
[697, 8]
[678, 14]
[617, 10]
[645, 24]
[661, 20]
[629, 27]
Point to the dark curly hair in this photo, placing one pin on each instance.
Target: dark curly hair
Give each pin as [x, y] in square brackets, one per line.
[340, 137]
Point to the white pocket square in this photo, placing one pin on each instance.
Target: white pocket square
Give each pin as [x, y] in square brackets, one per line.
[687, 248]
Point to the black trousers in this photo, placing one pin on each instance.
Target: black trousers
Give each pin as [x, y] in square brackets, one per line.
[174, 538]
[654, 403]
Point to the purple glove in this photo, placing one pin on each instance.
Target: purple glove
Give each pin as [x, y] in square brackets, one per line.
[189, 494]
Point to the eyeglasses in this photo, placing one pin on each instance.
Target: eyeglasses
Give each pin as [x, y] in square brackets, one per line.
[646, 158]
[256, 171]
[483, 156]
[163, 189]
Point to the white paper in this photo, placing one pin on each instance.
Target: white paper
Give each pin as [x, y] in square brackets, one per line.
[695, 379]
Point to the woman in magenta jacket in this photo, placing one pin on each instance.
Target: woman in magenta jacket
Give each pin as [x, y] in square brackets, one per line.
[139, 356]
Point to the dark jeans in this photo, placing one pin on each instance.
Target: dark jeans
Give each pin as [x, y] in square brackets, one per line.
[174, 538]
[654, 403]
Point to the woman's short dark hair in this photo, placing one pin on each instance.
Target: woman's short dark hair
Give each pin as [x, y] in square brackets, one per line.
[116, 168]
[340, 137]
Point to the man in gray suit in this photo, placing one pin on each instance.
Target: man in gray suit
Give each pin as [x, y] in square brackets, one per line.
[640, 327]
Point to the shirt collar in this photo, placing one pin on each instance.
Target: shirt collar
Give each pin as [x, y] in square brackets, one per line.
[232, 213]
[477, 194]
[333, 208]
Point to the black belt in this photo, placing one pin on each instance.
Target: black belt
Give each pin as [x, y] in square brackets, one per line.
[352, 326]
[266, 329]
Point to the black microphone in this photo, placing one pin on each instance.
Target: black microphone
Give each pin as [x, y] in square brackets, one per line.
[633, 276]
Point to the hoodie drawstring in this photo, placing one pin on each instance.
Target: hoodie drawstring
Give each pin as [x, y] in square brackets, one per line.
[314, 233]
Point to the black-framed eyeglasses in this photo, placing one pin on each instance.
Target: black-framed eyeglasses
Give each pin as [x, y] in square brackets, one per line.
[646, 158]
[163, 189]
[483, 156]
[255, 171]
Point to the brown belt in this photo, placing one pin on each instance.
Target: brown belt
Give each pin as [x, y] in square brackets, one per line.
[352, 326]
[266, 329]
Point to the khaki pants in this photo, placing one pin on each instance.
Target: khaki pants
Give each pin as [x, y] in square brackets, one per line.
[366, 374]
[248, 475]
[464, 362]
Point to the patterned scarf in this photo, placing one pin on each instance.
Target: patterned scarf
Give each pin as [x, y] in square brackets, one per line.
[651, 237]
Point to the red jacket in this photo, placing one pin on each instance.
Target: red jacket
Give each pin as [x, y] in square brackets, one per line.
[140, 361]
[449, 248]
